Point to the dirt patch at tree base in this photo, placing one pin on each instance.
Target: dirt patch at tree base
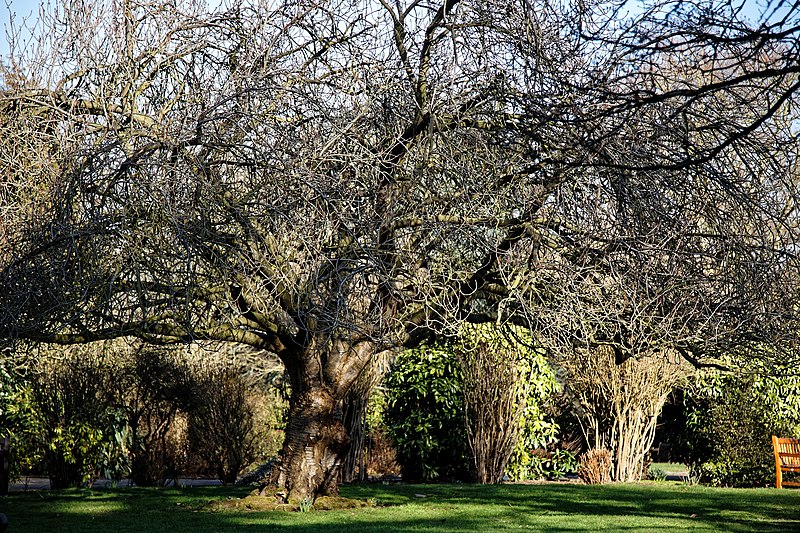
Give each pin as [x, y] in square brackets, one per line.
[272, 499]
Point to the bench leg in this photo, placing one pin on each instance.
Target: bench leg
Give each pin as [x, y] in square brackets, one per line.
[778, 478]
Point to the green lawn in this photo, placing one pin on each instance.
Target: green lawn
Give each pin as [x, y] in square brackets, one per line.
[546, 507]
[670, 467]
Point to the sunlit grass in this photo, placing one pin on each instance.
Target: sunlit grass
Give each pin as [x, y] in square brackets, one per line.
[406, 508]
[670, 467]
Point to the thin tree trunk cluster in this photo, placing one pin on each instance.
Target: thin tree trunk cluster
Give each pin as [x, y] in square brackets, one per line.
[618, 405]
[355, 417]
[495, 391]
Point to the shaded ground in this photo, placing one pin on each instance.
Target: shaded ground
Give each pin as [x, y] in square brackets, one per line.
[43, 483]
[675, 472]
[411, 508]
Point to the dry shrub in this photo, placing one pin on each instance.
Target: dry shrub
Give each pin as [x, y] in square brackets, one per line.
[595, 466]
[617, 405]
[221, 429]
[159, 389]
[381, 455]
[234, 424]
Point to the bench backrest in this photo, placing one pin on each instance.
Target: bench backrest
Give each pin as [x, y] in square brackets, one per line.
[787, 451]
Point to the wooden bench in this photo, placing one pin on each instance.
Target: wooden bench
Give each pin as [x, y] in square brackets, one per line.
[787, 459]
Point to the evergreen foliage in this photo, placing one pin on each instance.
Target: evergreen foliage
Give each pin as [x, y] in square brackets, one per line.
[426, 413]
[730, 419]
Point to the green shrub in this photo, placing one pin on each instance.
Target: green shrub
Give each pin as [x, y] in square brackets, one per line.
[425, 416]
[19, 420]
[542, 464]
[66, 417]
[656, 473]
[730, 419]
[117, 411]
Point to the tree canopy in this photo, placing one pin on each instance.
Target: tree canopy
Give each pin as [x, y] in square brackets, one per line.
[332, 179]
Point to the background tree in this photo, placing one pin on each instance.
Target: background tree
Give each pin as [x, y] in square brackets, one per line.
[119, 410]
[158, 390]
[330, 180]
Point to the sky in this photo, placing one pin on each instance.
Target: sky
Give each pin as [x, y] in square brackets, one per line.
[21, 9]
[29, 9]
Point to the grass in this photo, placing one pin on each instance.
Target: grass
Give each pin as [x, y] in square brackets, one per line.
[670, 467]
[407, 508]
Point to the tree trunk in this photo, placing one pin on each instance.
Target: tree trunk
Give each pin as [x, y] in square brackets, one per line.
[354, 468]
[314, 448]
[316, 441]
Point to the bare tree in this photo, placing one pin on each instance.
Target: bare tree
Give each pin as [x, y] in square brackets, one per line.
[618, 405]
[332, 180]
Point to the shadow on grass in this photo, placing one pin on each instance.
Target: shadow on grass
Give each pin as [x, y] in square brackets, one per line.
[556, 507]
[406, 508]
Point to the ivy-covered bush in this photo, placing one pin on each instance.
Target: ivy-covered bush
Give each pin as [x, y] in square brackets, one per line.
[729, 421]
[536, 454]
[425, 417]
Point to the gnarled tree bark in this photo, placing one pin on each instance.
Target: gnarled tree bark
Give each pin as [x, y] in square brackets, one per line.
[316, 441]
